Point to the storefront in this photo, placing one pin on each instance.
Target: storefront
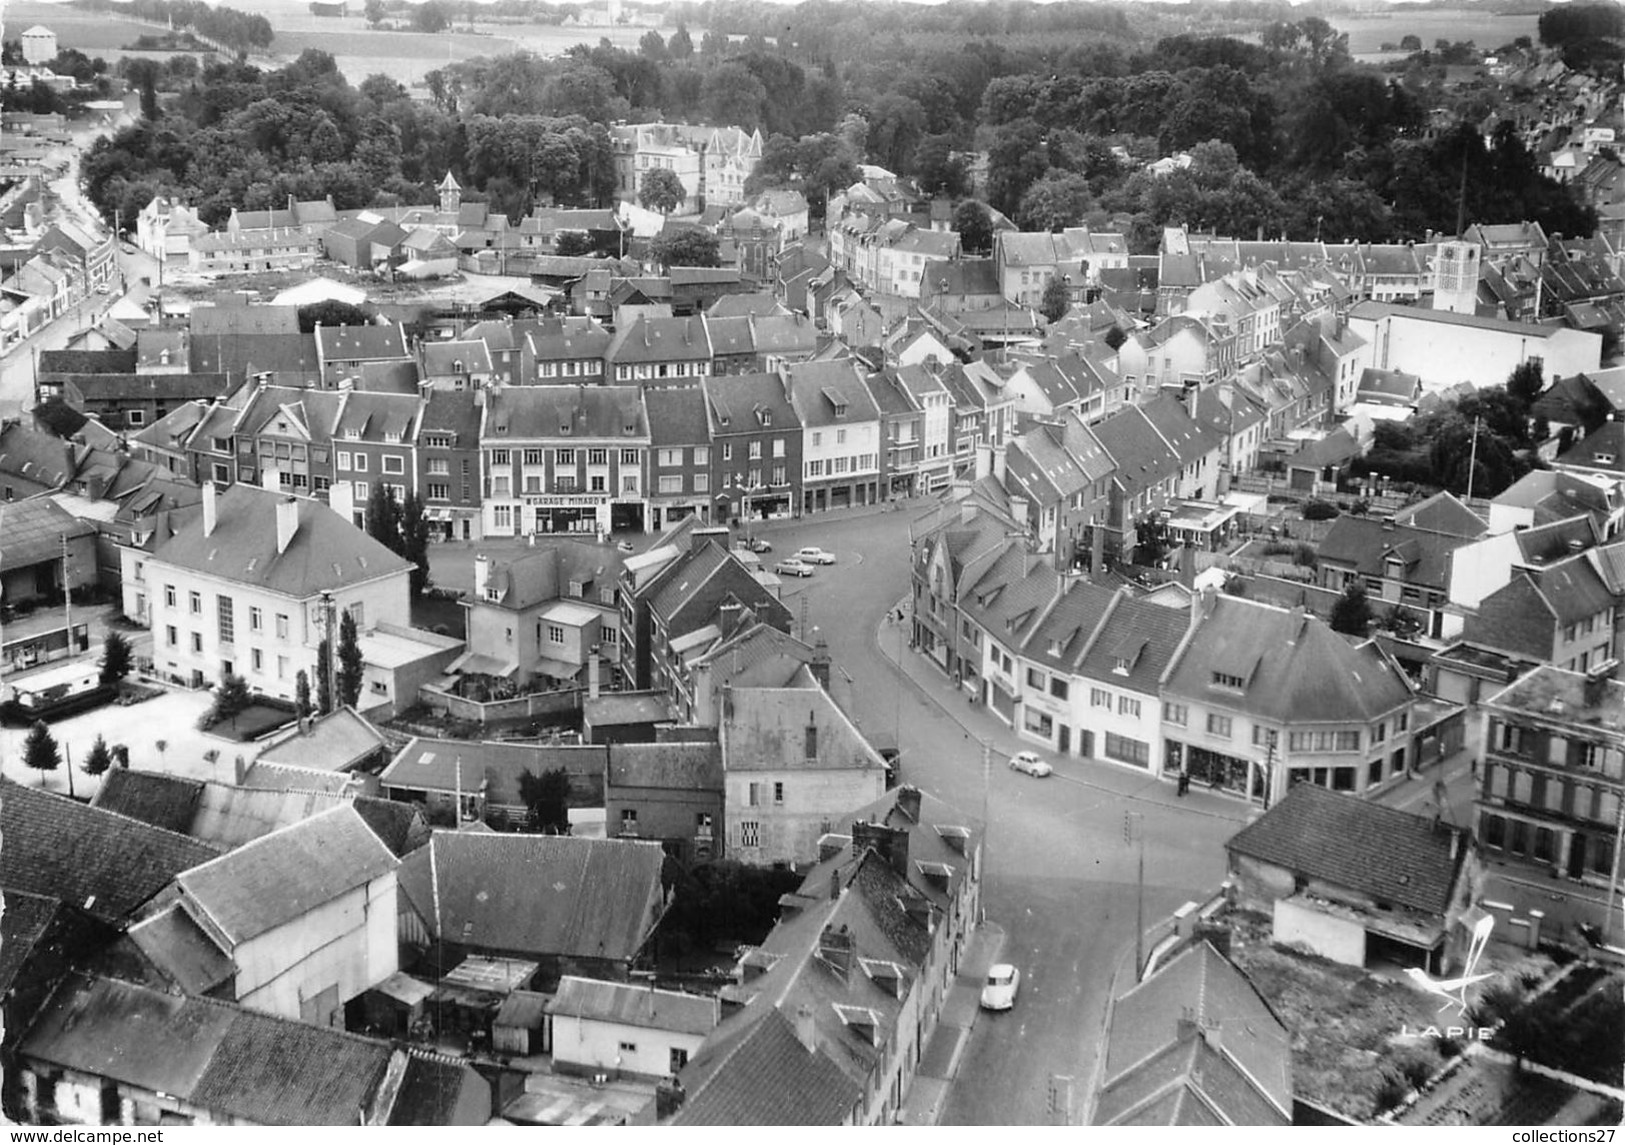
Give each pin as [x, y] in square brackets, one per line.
[453, 524]
[567, 513]
[1215, 769]
[841, 495]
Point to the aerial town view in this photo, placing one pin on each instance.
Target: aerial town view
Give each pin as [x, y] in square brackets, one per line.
[837, 563]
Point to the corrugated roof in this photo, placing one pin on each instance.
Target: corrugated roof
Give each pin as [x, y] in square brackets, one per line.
[625, 1004]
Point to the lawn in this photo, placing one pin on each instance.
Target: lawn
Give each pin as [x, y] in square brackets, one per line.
[253, 722]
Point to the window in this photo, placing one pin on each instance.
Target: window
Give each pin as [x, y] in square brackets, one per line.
[669, 485]
[669, 457]
[281, 626]
[362, 490]
[1100, 698]
[840, 437]
[1175, 713]
[679, 1059]
[170, 633]
[1058, 688]
[627, 1047]
[1381, 733]
[702, 482]
[1126, 750]
[564, 457]
[195, 599]
[629, 483]
[1218, 725]
[817, 439]
[197, 642]
[438, 491]
[169, 596]
[1035, 679]
[597, 457]
[534, 457]
[778, 794]
[1227, 680]
[360, 463]
[257, 658]
[1039, 723]
[394, 463]
[500, 457]
[555, 634]
[727, 451]
[501, 517]
[1128, 707]
[629, 457]
[750, 834]
[756, 451]
[629, 820]
[227, 619]
[343, 459]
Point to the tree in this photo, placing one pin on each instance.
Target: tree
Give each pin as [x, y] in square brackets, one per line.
[681, 44]
[1526, 381]
[685, 247]
[301, 693]
[431, 17]
[116, 659]
[661, 190]
[332, 312]
[99, 760]
[415, 541]
[324, 690]
[573, 244]
[1352, 614]
[231, 698]
[349, 673]
[40, 751]
[1056, 301]
[653, 46]
[58, 417]
[1055, 202]
[373, 10]
[1410, 43]
[975, 227]
[547, 799]
[384, 517]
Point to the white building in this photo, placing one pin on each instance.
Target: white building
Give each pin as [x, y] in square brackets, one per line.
[39, 45]
[241, 588]
[626, 1029]
[1445, 348]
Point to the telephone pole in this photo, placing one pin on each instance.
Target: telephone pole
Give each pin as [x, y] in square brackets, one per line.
[67, 595]
[1134, 832]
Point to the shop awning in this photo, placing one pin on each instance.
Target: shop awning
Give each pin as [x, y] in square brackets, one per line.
[558, 669]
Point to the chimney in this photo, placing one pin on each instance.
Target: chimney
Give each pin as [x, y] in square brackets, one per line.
[812, 736]
[830, 845]
[287, 522]
[1201, 606]
[210, 511]
[1190, 395]
[890, 843]
[984, 461]
[820, 663]
[834, 882]
[998, 464]
[482, 575]
[806, 1029]
[835, 947]
[728, 617]
[1576, 545]
[593, 671]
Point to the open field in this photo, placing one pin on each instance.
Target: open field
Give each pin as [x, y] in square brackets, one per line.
[93, 33]
[1368, 34]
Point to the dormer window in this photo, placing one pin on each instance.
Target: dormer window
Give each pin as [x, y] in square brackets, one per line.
[1227, 680]
[1603, 458]
[352, 435]
[1120, 666]
[575, 588]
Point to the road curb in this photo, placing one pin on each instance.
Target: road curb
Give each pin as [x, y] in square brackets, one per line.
[1240, 816]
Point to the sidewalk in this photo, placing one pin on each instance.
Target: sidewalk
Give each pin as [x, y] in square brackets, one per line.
[982, 727]
[939, 1065]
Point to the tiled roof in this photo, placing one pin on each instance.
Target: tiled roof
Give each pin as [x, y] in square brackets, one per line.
[104, 863]
[23, 924]
[1345, 841]
[672, 766]
[756, 305]
[443, 358]
[331, 742]
[153, 797]
[1442, 513]
[1368, 543]
[545, 894]
[180, 949]
[326, 552]
[280, 877]
[763, 1075]
[815, 388]
[433, 1092]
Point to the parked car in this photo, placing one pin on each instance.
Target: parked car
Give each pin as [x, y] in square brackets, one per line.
[1029, 762]
[790, 566]
[815, 556]
[753, 545]
[625, 546]
[999, 991]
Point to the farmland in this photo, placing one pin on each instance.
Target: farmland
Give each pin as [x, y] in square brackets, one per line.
[1367, 34]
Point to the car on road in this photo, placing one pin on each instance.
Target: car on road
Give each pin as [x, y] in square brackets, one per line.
[104, 289]
[815, 556]
[625, 546]
[999, 991]
[127, 248]
[790, 566]
[753, 545]
[1028, 762]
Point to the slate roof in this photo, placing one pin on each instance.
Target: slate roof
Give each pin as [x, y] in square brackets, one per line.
[181, 949]
[1160, 1070]
[650, 340]
[763, 1075]
[629, 1004]
[1443, 513]
[326, 552]
[672, 766]
[1345, 841]
[355, 343]
[104, 863]
[756, 305]
[279, 877]
[234, 1062]
[1144, 458]
[1573, 589]
[23, 924]
[531, 412]
[742, 398]
[1294, 667]
[552, 895]
[331, 742]
[431, 1091]
[153, 797]
[1366, 543]
[677, 417]
[815, 387]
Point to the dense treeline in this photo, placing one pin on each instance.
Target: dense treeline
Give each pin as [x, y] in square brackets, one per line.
[242, 31]
[1588, 35]
[1069, 102]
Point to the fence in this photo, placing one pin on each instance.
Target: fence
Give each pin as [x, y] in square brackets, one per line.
[566, 701]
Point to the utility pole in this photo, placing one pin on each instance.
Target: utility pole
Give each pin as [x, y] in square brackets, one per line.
[67, 595]
[332, 649]
[1472, 459]
[1134, 832]
[1613, 874]
[67, 758]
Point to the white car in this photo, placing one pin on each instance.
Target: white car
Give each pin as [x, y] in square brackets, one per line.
[790, 566]
[1029, 762]
[815, 556]
[999, 991]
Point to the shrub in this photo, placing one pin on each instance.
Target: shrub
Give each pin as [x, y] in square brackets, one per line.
[1447, 1047]
[1416, 1064]
[1392, 1088]
[1318, 510]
